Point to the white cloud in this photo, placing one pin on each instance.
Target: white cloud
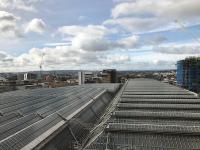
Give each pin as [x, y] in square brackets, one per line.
[116, 59]
[52, 56]
[154, 65]
[8, 25]
[91, 45]
[163, 8]
[156, 60]
[64, 57]
[86, 45]
[120, 1]
[3, 55]
[138, 24]
[129, 42]
[156, 56]
[24, 5]
[90, 30]
[5, 60]
[95, 38]
[89, 38]
[36, 25]
[56, 44]
[179, 49]
[82, 18]
[6, 16]
[143, 15]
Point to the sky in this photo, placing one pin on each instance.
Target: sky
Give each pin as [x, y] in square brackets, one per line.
[97, 34]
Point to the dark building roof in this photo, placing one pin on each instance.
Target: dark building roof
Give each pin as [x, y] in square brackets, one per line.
[150, 115]
[30, 116]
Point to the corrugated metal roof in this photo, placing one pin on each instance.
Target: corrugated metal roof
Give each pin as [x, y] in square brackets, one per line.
[29, 114]
[149, 115]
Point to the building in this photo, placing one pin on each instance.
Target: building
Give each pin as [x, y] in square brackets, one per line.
[20, 76]
[2, 79]
[30, 76]
[9, 76]
[81, 78]
[105, 76]
[89, 76]
[63, 77]
[180, 73]
[109, 76]
[188, 73]
[86, 77]
[49, 78]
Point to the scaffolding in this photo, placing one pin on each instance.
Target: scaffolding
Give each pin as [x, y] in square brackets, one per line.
[188, 73]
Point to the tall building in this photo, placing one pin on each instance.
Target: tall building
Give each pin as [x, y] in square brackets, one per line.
[109, 76]
[30, 76]
[89, 76]
[81, 78]
[180, 75]
[188, 73]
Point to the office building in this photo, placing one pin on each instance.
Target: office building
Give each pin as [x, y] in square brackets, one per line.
[109, 76]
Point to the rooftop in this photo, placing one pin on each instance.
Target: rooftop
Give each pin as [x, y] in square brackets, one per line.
[148, 114]
[29, 117]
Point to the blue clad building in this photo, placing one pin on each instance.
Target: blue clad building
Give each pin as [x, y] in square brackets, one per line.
[188, 73]
[180, 75]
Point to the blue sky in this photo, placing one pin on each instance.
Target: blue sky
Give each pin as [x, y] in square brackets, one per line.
[97, 34]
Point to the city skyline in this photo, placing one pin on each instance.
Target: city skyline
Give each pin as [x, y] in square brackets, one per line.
[121, 34]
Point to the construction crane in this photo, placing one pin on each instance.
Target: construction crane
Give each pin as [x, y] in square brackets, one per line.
[41, 65]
